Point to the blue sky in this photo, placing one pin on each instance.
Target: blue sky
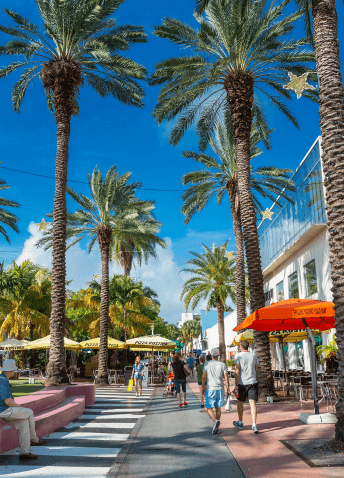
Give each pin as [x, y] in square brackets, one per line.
[108, 133]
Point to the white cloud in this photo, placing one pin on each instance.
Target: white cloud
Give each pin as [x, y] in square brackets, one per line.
[161, 274]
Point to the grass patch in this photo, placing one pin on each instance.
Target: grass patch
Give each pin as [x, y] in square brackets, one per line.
[21, 387]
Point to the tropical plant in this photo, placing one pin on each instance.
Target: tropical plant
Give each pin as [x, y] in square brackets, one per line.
[327, 350]
[172, 332]
[143, 239]
[242, 47]
[190, 330]
[25, 306]
[214, 282]
[109, 211]
[6, 217]
[219, 177]
[79, 41]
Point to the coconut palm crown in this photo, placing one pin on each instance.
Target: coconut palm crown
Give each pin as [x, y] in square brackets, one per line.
[219, 178]
[7, 218]
[212, 281]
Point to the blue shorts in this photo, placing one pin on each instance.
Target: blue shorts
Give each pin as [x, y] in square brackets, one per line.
[178, 383]
[214, 398]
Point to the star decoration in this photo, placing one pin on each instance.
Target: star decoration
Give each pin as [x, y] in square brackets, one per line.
[298, 84]
[267, 214]
[229, 255]
[42, 226]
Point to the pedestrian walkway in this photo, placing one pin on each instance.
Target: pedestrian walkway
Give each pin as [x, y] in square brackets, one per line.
[86, 447]
[265, 455]
[174, 442]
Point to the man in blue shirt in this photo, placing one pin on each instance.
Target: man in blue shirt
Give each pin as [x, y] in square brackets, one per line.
[20, 418]
[191, 364]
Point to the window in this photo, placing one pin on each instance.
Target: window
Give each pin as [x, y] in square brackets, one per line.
[293, 286]
[269, 295]
[311, 278]
[280, 291]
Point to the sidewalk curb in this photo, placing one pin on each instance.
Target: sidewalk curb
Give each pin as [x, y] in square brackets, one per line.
[113, 472]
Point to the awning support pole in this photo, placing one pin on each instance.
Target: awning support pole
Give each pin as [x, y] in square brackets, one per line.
[285, 367]
[311, 347]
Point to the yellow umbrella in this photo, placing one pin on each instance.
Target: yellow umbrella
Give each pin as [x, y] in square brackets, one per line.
[276, 336]
[94, 344]
[13, 344]
[150, 342]
[44, 343]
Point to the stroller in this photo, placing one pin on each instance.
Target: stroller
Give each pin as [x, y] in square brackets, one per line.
[170, 387]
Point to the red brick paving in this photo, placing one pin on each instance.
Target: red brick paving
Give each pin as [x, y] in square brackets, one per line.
[263, 455]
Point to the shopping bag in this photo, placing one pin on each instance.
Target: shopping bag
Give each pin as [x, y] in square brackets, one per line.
[130, 385]
[228, 406]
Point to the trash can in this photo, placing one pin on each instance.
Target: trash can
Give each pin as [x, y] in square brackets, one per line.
[127, 375]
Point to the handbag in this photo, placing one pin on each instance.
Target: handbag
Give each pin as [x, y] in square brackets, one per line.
[130, 385]
[228, 406]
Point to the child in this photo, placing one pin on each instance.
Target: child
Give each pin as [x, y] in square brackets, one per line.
[170, 382]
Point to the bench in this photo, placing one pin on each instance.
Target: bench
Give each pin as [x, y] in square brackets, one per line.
[53, 407]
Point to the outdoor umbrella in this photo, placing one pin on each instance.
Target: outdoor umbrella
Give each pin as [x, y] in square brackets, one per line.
[291, 314]
[151, 343]
[13, 344]
[94, 344]
[44, 344]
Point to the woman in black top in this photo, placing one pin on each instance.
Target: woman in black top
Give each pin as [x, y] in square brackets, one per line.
[179, 378]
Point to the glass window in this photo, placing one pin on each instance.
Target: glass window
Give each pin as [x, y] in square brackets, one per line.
[280, 292]
[293, 286]
[311, 278]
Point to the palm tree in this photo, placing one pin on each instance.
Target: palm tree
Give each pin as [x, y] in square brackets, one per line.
[191, 329]
[100, 218]
[79, 41]
[143, 239]
[241, 48]
[213, 281]
[7, 218]
[219, 177]
[128, 301]
[25, 304]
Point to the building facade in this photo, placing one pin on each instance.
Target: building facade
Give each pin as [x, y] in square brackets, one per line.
[295, 251]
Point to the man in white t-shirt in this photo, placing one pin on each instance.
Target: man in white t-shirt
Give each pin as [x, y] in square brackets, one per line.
[214, 375]
[246, 364]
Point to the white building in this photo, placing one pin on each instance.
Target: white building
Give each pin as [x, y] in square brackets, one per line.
[295, 255]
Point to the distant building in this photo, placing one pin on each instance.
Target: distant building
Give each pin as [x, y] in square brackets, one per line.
[185, 317]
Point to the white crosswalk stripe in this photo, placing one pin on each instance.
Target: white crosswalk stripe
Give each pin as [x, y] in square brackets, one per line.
[87, 446]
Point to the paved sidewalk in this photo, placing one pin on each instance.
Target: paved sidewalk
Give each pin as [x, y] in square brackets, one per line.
[264, 455]
[174, 442]
[88, 446]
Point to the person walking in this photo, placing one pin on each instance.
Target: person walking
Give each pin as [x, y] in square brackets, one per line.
[179, 378]
[172, 353]
[199, 370]
[246, 364]
[191, 364]
[138, 374]
[20, 418]
[214, 375]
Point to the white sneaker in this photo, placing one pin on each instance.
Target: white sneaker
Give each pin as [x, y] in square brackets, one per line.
[255, 429]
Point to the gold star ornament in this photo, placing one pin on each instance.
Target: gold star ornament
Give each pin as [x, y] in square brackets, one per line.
[267, 214]
[229, 255]
[42, 226]
[298, 84]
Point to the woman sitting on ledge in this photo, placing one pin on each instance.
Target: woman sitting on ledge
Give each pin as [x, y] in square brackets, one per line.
[18, 417]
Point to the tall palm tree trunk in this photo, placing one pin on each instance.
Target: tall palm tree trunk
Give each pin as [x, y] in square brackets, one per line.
[221, 327]
[56, 368]
[331, 101]
[240, 257]
[104, 238]
[240, 98]
[126, 261]
[125, 332]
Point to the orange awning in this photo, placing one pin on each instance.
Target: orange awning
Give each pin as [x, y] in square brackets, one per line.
[288, 315]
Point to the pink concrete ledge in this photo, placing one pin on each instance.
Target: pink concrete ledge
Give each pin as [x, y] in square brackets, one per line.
[53, 407]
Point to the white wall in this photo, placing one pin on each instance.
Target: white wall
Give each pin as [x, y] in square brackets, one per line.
[212, 334]
[317, 249]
